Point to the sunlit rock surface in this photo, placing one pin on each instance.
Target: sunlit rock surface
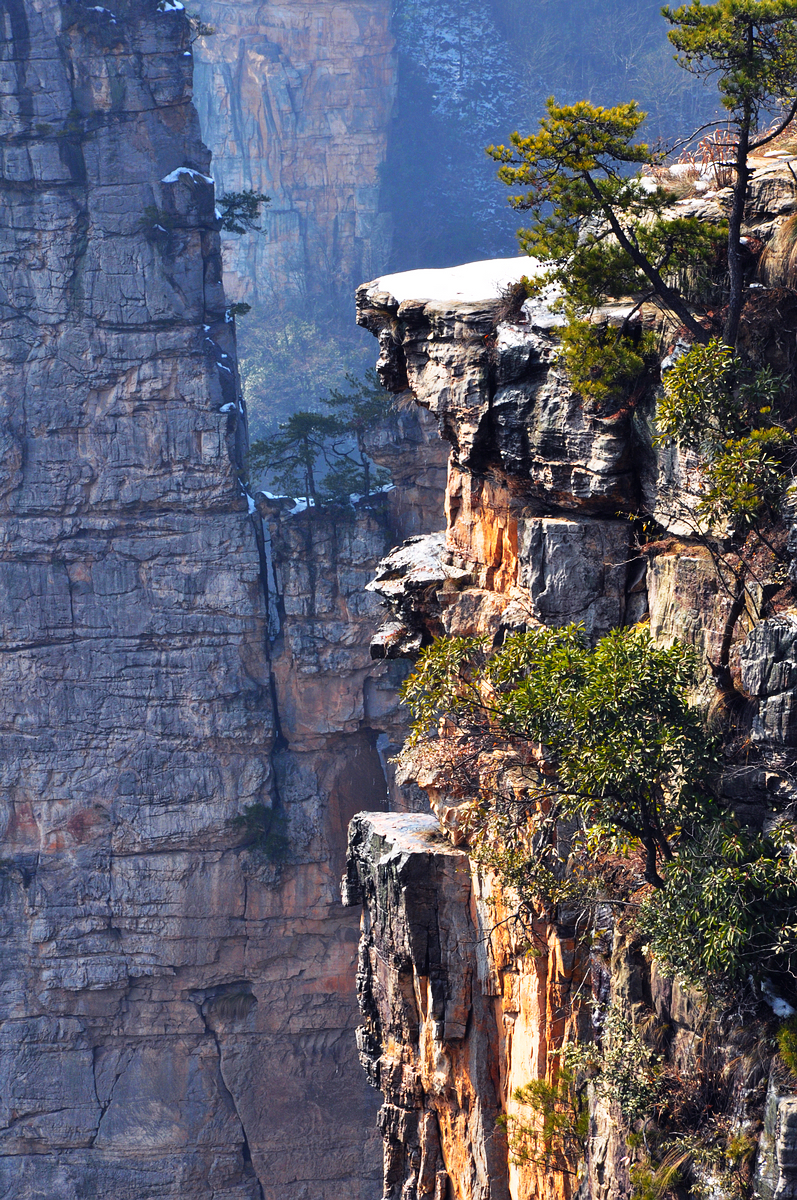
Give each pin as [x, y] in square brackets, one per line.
[540, 528]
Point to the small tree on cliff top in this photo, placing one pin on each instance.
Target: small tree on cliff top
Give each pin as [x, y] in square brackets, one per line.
[608, 233]
[750, 46]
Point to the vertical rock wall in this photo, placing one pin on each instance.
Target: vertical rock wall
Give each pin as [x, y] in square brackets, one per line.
[295, 99]
[176, 1010]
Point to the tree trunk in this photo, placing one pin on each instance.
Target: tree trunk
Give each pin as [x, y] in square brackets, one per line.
[735, 268]
[668, 295]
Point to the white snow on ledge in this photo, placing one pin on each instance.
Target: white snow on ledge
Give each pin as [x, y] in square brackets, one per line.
[174, 176]
[467, 284]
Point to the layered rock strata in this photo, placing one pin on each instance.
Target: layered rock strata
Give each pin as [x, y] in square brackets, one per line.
[538, 530]
[295, 100]
[176, 1008]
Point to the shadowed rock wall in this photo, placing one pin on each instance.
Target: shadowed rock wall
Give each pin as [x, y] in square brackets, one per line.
[175, 1010]
[295, 99]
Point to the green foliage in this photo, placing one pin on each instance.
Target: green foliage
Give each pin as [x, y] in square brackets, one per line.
[600, 231]
[622, 1070]
[787, 1043]
[289, 357]
[291, 457]
[601, 362]
[240, 210]
[728, 909]
[237, 310]
[620, 747]
[750, 46]
[265, 830]
[714, 405]
[323, 456]
[555, 1137]
[604, 231]
[357, 410]
[628, 1070]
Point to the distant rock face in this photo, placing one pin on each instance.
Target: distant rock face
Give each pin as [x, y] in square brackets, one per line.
[295, 99]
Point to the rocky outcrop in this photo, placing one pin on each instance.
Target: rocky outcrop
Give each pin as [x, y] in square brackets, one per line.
[539, 529]
[429, 1039]
[295, 100]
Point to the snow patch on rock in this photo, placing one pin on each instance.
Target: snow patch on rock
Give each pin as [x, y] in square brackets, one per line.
[469, 283]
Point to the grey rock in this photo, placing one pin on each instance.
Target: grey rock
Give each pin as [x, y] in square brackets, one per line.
[768, 660]
[775, 1176]
[575, 570]
[176, 1012]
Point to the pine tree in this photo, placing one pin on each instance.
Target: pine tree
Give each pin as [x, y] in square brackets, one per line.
[750, 46]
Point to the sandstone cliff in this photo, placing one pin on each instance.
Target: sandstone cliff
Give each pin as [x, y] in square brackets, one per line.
[295, 100]
[456, 1014]
[177, 1008]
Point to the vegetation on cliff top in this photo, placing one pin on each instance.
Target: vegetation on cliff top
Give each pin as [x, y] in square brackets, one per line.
[608, 231]
[611, 752]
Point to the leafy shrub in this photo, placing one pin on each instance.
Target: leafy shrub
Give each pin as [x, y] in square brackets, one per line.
[787, 1043]
[601, 362]
[616, 744]
[728, 908]
[623, 1070]
[722, 410]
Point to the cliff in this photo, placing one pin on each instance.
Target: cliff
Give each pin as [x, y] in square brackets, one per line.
[295, 100]
[183, 684]
[462, 1004]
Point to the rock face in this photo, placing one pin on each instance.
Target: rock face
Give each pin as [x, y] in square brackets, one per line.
[136, 714]
[537, 531]
[295, 100]
[176, 1010]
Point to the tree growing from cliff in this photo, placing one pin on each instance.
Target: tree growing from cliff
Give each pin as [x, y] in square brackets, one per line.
[724, 412]
[291, 456]
[323, 457]
[615, 742]
[239, 211]
[750, 48]
[604, 231]
[358, 410]
[600, 231]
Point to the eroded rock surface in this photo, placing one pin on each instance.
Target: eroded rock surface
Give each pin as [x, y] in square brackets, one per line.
[539, 530]
[295, 100]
